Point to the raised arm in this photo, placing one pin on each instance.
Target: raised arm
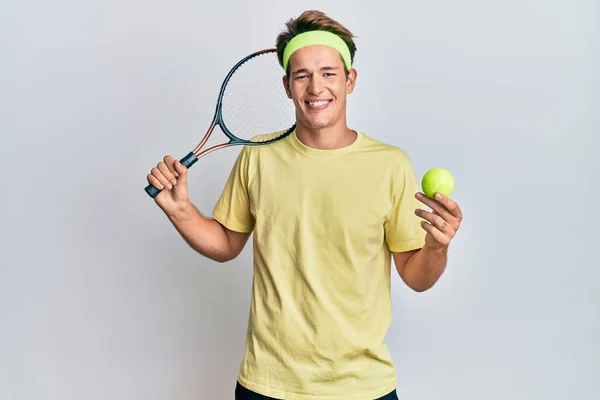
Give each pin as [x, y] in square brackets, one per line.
[205, 235]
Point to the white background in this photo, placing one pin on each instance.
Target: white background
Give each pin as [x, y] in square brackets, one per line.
[101, 299]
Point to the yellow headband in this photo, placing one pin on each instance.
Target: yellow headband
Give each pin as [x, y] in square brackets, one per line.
[312, 38]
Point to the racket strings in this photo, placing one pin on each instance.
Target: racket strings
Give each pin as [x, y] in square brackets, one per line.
[256, 109]
[255, 102]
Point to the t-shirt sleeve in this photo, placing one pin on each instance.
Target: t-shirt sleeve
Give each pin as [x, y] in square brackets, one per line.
[233, 208]
[403, 229]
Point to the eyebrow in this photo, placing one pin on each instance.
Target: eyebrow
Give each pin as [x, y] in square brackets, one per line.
[304, 70]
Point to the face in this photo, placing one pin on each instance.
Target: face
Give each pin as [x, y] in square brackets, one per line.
[318, 85]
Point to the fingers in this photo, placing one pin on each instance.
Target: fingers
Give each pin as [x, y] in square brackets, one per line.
[438, 236]
[437, 208]
[154, 181]
[158, 180]
[442, 205]
[450, 205]
[437, 221]
[180, 172]
[442, 222]
[165, 174]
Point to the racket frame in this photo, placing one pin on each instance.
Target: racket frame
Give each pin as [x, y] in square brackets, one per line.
[193, 156]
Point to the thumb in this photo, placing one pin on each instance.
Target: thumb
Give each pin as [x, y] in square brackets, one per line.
[182, 171]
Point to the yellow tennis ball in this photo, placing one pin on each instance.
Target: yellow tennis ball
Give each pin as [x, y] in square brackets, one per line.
[437, 180]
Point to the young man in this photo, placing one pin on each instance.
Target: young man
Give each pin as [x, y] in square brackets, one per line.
[329, 208]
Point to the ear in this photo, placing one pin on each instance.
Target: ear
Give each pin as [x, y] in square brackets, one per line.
[286, 84]
[351, 80]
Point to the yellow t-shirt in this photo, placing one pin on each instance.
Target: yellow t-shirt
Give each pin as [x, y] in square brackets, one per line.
[324, 223]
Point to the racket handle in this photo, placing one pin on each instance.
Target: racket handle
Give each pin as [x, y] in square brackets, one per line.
[186, 161]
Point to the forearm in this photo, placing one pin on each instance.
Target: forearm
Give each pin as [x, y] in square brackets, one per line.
[425, 267]
[205, 235]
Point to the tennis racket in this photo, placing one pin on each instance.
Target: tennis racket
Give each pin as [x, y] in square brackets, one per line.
[252, 108]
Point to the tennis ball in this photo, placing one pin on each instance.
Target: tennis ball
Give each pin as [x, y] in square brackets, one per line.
[437, 180]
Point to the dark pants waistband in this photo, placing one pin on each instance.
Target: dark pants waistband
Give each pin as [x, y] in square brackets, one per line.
[241, 393]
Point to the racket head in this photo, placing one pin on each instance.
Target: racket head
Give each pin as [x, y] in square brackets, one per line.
[253, 107]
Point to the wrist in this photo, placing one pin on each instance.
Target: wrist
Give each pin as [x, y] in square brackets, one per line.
[435, 250]
[183, 211]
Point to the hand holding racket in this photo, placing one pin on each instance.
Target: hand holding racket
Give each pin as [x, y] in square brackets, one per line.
[252, 109]
[170, 174]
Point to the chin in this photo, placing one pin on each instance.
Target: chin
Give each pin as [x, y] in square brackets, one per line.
[319, 124]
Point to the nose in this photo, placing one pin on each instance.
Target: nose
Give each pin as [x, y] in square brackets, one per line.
[316, 85]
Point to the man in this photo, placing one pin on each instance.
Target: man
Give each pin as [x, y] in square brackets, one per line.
[329, 208]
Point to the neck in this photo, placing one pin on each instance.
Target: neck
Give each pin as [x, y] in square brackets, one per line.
[330, 138]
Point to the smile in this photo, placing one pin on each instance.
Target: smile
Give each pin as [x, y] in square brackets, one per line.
[318, 104]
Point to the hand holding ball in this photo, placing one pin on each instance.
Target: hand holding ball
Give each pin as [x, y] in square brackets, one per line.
[444, 219]
[437, 180]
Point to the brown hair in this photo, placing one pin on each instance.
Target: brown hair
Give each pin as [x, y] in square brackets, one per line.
[312, 20]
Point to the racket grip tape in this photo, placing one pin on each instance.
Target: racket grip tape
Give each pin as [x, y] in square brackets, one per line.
[186, 161]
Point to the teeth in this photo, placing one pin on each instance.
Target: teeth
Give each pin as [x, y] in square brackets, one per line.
[318, 103]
